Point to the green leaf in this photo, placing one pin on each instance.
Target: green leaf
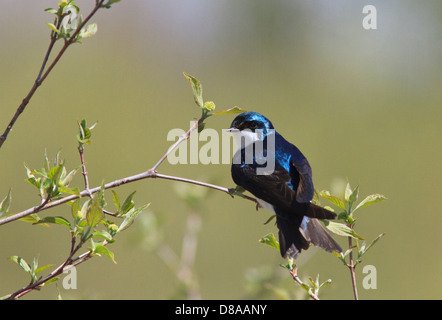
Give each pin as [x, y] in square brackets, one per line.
[93, 126]
[66, 179]
[341, 256]
[102, 234]
[94, 214]
[130, 216]
[100, 249]
[342, 216]
[333, 199]
[57, 160]
[305, 287]
[354, 195]
[230, 111]
[269, 239]
[4, 205]
[325, 283]
[372, 243]
[116, 200]
[371, 199]
[85, 234]
[286, 266]
[53, 28]
[21, 262]
[34, 218]
[46, 162]
[40, 172]
[109, 3]
[52, 280]
[56, 220]
[315, 284]
[74, 191]
[75, 208]
[197, 89]
[84, 209]
[84, 133]
[100, 196]
[128, 203]
[40, 269]
[35, 182]
[55, 173]
[51, 10]
[342, 230]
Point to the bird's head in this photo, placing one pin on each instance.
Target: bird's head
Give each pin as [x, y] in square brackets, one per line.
[251, 121]
[249, 127]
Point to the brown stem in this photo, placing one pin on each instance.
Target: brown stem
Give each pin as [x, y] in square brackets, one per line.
[66, 265]
[145, 175]
[351, 266]
[83, 167]
[42, 76]
[175, 145]
[294, 274]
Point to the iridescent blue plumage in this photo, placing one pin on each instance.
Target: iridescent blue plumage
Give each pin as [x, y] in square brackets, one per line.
[287, 188]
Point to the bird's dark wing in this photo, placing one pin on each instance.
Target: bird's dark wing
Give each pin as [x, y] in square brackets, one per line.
[303, 173]
[272, 188]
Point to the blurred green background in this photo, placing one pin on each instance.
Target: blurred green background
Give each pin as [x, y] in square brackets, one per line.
[361, 104]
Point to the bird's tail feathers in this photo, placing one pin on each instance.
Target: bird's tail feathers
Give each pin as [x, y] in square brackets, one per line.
[313, 232]
[298, 235]
[291, 241]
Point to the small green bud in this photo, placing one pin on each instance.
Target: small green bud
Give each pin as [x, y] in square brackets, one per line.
[113, 227]
[209, 106]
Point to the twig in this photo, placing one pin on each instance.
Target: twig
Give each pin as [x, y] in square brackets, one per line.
[43, 203]
[294, 274]
[66, 265]
[83, 168]
[113, 184]
[351, 266]
[42, 76]
[175, 145]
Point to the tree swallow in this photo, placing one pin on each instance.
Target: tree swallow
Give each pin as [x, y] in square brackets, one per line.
[286, 188]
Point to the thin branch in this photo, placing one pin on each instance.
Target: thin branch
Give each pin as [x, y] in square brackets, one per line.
[351, 266]
[83, 193]
[294, 274]
[145, 175]
[109, 213]
[175, 145]
[66, 265]
[42, 76]
[43, 203]
[48, 52]
[83, 168]
[196, 182]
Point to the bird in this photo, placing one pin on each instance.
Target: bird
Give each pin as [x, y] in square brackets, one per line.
[286, 188]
